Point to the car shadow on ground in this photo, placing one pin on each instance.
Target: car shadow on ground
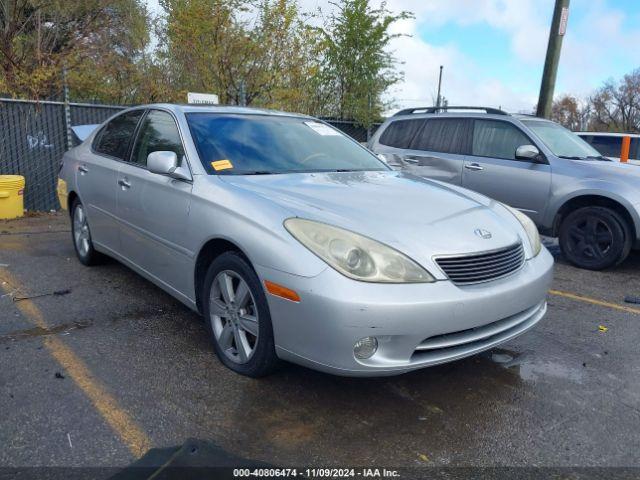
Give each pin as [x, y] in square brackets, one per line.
[298, 407]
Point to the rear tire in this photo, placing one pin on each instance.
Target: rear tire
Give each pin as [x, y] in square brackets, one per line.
[595, 238]
[237, 316]
[81, 236]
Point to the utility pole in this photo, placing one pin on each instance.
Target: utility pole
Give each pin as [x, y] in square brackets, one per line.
[439, 87]
[67, 108]
[558, 29]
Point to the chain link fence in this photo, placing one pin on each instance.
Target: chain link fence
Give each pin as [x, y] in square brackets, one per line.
[35, 135]
[34, 138]
[354, 130]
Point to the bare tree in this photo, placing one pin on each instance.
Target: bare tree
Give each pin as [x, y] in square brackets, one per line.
[571, 112]
[616, 107]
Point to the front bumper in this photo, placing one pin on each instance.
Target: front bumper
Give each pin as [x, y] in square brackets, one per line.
[416, 325]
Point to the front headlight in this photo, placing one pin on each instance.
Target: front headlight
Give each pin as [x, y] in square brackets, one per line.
[529, 227]
[356, 256]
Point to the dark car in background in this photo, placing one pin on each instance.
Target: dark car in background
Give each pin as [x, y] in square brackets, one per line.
[612, 145]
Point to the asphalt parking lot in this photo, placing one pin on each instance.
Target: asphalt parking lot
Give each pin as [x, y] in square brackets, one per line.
[98, 365]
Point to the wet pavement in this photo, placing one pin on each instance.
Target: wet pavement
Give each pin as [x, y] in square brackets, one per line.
[564, 394]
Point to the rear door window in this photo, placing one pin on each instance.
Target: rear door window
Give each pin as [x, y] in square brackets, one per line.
[444, 135]
[400, 133]
[115, 137]
[497, 139]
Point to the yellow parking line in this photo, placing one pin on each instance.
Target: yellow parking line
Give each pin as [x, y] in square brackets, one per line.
[594, 301]
[119, 420]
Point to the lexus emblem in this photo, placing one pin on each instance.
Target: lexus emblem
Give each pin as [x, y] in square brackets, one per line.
[482, 233]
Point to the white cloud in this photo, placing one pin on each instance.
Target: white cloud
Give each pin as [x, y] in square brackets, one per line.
[524, 20]
[595, 46]
[464, 81]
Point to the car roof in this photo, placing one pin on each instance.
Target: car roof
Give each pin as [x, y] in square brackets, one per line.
[451, 115]
[205, 108]
[610, 134]
[471, 113]
[526, 116]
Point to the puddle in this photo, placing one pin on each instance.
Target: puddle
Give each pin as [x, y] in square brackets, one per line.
[530, 368]
[501, 358]
[508, 358]
[533, 371]
[39, 331]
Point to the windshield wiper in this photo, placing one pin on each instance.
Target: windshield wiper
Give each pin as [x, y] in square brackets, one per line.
[602, 158]
[568, 157]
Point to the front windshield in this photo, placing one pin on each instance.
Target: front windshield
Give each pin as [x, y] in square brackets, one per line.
[562, 142]
[236, 144]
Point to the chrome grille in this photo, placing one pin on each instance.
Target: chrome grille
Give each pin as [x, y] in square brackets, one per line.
[482, 267]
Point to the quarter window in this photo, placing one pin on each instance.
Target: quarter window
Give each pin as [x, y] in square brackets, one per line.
[444, 135]
[158, 132]
[400, 133]
[115, 137]
[493, 138]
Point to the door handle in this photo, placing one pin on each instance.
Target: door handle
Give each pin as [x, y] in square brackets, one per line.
[473, 166]
[124, 183]
[412, 160]
[83, 169]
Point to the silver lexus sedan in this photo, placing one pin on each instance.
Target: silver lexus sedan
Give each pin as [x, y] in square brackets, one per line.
[294, 242]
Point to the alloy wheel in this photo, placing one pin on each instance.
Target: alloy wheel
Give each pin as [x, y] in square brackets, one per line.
[234, 316]
[591, 238]
[81, 235]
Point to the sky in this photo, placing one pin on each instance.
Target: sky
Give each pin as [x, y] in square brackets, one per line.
[493, 50]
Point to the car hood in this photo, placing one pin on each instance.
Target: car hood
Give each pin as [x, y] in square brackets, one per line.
[624, 172]
[414, 215]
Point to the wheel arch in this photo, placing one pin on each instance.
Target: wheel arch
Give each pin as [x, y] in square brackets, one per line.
[72, 196]
[211, 249]
[594, 200]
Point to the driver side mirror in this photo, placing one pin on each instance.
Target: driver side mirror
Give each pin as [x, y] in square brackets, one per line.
[166, 163]
[527, 152]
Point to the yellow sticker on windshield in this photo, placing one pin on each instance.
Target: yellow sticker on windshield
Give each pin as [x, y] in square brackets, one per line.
[221, 165]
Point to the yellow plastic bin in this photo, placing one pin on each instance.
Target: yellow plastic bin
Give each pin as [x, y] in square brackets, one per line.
[11, 196]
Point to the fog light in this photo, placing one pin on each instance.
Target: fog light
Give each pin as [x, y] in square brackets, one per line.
[365, 347]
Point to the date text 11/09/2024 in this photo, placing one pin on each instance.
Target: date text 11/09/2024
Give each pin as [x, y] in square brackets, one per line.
[315, 473]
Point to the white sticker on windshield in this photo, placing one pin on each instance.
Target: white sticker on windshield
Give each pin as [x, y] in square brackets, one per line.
[321, 128]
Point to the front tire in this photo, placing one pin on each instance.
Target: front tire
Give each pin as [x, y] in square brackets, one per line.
[81, 235]
[237, 316]
[595, 238]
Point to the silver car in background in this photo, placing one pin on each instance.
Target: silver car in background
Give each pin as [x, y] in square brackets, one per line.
[562, 183]
[294, 242]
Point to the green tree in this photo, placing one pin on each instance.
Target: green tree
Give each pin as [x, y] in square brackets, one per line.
[196, 39]
[40, 37]
[282, 59]
[251, 52]
[114, 67]
[357, 66]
